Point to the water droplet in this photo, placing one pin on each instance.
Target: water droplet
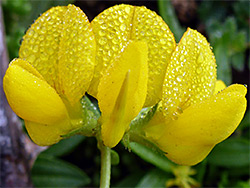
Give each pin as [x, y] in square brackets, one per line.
[182, 57]
[174, 116]
[197, 96]
[127, 9]
[142, 33]
[102, 33]
[102, 41]
[50, 50]
[179, 110]
[103, 26]
[110, 53]
[44, 57]
[115, 47]
[179, 78]
[31, 58]
[163, 41]
[200, 58]
[199, 70]
[35, 48]
[123, 27]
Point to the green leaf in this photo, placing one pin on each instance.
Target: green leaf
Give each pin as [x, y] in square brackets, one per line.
[201, 169]
[64, 146]
[212, 10]
[154, 178]
[131, 180]
[52, 172]
[152, 157]
[238, 42]
[243, 184]
[223, 66]
[168, 14]
[249, 63]
[115, 159]
[241, 11]
[231, 153]
[238, 61]
[224, 182]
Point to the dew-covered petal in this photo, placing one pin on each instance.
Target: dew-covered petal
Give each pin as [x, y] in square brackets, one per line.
[76, 54]
[122, 91]
[219, 86]
[30, 96]
[190, 75]
[40, 44]
[188, 140]
[115, 26]
[47, 134]
[61, 46]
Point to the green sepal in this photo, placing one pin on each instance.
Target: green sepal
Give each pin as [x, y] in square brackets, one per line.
[136, 133]
[90, 115]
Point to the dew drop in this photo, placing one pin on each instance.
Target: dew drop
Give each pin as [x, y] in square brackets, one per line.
[179, 78]
[102, 41]
[123, 27]
[127, 9]
[182, 57]
[35, 48]
[199, 70]
[179, 110]
[115, 47]
[200, 58]
[31, 58]
[43, 57]
[174, 116]
[50, 50]
[102, 33]
[103, 26]
[163, 41]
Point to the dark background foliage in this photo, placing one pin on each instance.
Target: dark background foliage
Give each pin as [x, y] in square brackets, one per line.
[75, 162]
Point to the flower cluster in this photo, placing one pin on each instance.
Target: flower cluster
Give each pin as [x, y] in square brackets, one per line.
[126, 58]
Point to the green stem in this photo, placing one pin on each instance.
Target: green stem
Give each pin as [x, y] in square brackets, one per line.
[105, 166]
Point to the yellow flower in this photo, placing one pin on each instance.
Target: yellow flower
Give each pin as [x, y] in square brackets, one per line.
[194, 116]
[134, 46]
[54, 69]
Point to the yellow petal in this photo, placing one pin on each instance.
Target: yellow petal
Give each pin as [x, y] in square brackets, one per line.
[61, 46]
[158, 122]
[47, 134]
[76, 54]
[119, 24]
[122, 91]
[40, 44]
[188, 140]
[29, 95]
[191, 74]
[219, 86]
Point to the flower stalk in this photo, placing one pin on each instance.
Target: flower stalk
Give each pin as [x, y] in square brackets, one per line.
[105, 166]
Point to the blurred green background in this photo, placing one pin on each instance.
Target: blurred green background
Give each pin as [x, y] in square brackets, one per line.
[75, 162]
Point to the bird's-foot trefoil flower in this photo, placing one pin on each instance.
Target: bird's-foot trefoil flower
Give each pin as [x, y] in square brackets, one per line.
[116, 26]
[127, 58]
[196, 112]
[122, 91]
[133, 49]
[54, 69]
